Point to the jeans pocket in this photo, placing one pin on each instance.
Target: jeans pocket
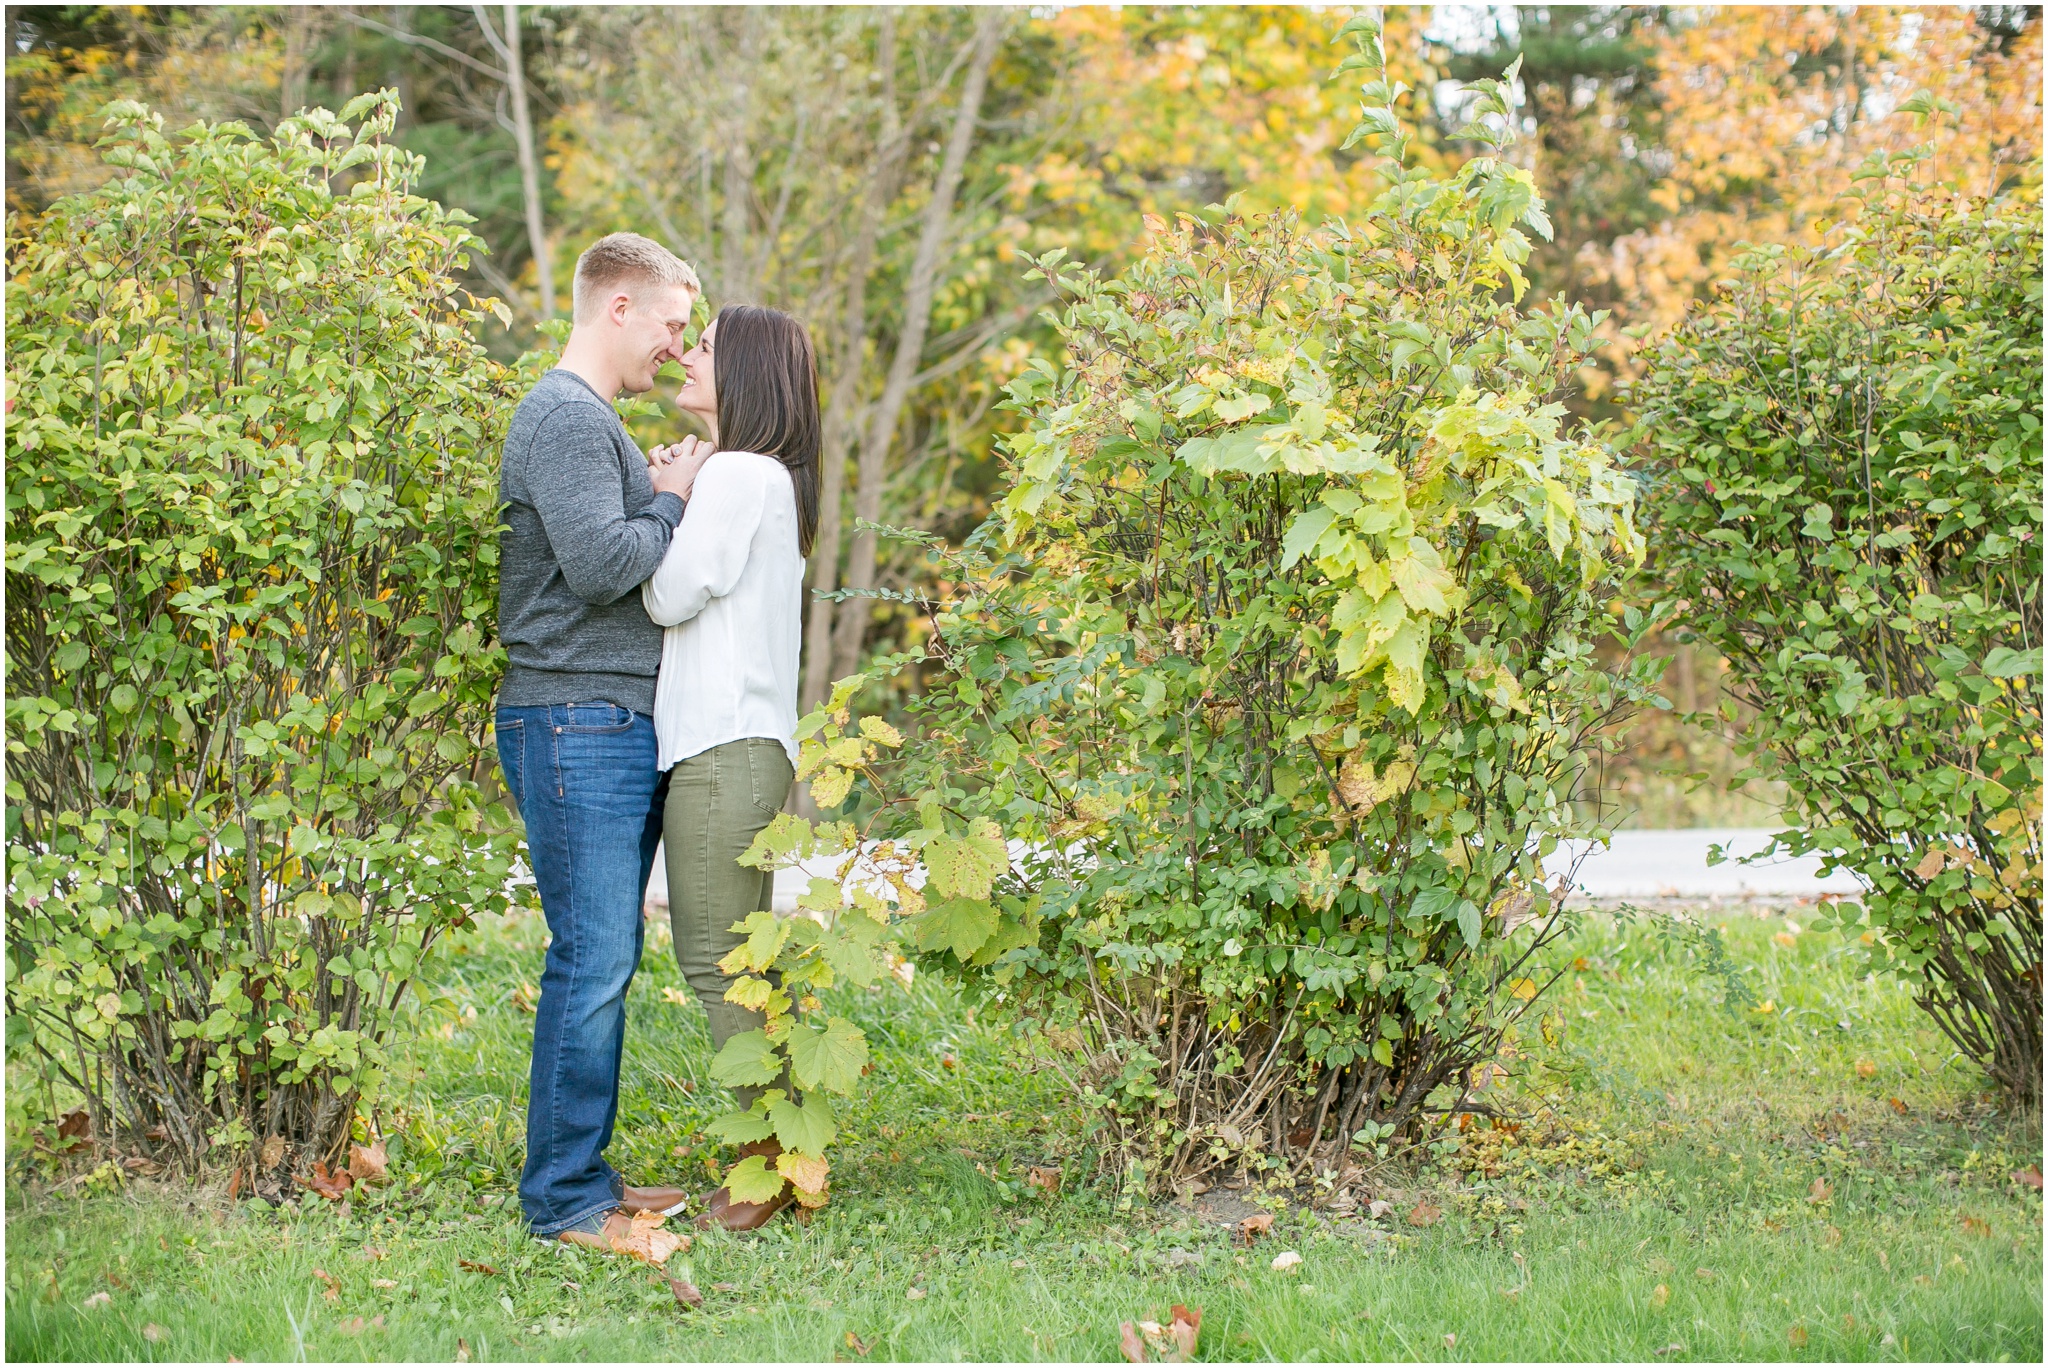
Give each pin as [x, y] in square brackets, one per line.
[595, 719]
[511, 737]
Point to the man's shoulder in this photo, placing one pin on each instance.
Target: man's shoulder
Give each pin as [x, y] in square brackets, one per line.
[559, 392]
[560, 409]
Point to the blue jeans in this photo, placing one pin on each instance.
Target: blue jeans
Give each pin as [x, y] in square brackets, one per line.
[583, 776]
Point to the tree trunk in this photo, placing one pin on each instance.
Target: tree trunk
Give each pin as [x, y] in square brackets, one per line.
[849, 352]
[850, 631]
[529, 167]
[298, 47]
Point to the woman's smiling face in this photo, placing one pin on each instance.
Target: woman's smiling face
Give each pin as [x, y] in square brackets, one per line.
[699, 394]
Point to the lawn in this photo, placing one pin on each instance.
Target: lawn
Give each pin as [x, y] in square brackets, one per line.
[1772, 1159]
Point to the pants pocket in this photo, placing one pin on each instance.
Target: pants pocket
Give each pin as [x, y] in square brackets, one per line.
[769, 775]
[595, 719]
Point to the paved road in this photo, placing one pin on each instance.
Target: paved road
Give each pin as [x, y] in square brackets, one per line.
[1639, 864]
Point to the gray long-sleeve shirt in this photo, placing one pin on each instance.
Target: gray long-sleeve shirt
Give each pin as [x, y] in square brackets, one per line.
[583, 528]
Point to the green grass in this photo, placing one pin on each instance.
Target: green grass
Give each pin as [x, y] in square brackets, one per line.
[1666, 1131]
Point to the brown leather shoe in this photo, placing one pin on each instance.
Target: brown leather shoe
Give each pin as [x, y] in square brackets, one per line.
[721, 1210]
[616, 1223]
[663, 1201]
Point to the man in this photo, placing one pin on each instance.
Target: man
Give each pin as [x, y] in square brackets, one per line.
[586, 521]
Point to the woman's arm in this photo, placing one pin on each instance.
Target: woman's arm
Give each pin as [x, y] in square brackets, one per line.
[710, 548]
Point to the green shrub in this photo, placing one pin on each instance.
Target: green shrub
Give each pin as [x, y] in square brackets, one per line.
[251, 567]
[1848, 507]
[1275, 672]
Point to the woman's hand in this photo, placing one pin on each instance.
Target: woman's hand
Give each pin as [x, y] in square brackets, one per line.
[673, 469]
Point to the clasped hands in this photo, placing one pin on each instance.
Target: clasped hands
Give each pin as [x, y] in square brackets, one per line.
[673, 469]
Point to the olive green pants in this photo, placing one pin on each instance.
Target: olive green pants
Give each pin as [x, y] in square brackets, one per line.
[718, 801]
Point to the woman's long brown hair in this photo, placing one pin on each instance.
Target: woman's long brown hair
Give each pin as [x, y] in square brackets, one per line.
[767, 379]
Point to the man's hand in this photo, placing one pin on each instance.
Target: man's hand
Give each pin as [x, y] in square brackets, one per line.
[673, 469]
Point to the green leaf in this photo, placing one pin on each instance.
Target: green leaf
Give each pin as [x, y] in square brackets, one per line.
[747, 1061]
[751, 1180]
[966, 866]
[1468, 922]
[961, 925]
[740, 1128]
[1303, 534]
[807, 1127]
[831, 1058]
[2002, 662]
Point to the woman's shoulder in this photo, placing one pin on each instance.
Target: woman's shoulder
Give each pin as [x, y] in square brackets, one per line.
[744, 464]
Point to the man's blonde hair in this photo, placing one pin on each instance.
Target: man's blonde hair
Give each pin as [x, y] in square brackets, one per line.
[630, 260]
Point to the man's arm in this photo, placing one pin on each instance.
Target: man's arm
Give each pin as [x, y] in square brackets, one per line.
[572, 476]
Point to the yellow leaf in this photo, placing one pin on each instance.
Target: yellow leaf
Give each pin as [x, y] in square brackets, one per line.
[880, 732]
[749, 992]
[805, 1174]
[830, 786]
[1525, 989]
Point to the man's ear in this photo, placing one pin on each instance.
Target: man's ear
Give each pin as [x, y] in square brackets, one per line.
[616, 311]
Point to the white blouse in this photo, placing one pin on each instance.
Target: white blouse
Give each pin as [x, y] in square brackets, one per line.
[730, 593]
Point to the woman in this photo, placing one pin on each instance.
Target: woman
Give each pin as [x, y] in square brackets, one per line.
[730, 593]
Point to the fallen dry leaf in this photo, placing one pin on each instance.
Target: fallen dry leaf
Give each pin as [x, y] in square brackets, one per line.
[147, 1168]
[462, 1351]
[526, 997]
[1046, 1180]
[1186, 1327]
[355, 1325]
[1378, 1209]
[685, 1293]
[646, 1241]
[74, 1129]
[725, 1287]
[154, 1333]
[375, 1254]
[1451, 1340]
[678, 997]
[1977, 1226]
[858, 1345]
[1660, 1296]
[1897, 1105]
[947, 1061]
[331, 1285]
[383, 1284]
[235, 1184]
[333, 1186]
[1424, 1214]
[1819, 1191]
[1285, 1260]
[1866, 1068]
[272, 1153]
[1797, 1335]
[1252, 1227]
[2030, 1175]
[1668, 1350]
[1130, 1343]
[1831, 1236]
[1704, 1274]
[97, 1300]
[368, 1164]
[476, 1267]
[914, 1293]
